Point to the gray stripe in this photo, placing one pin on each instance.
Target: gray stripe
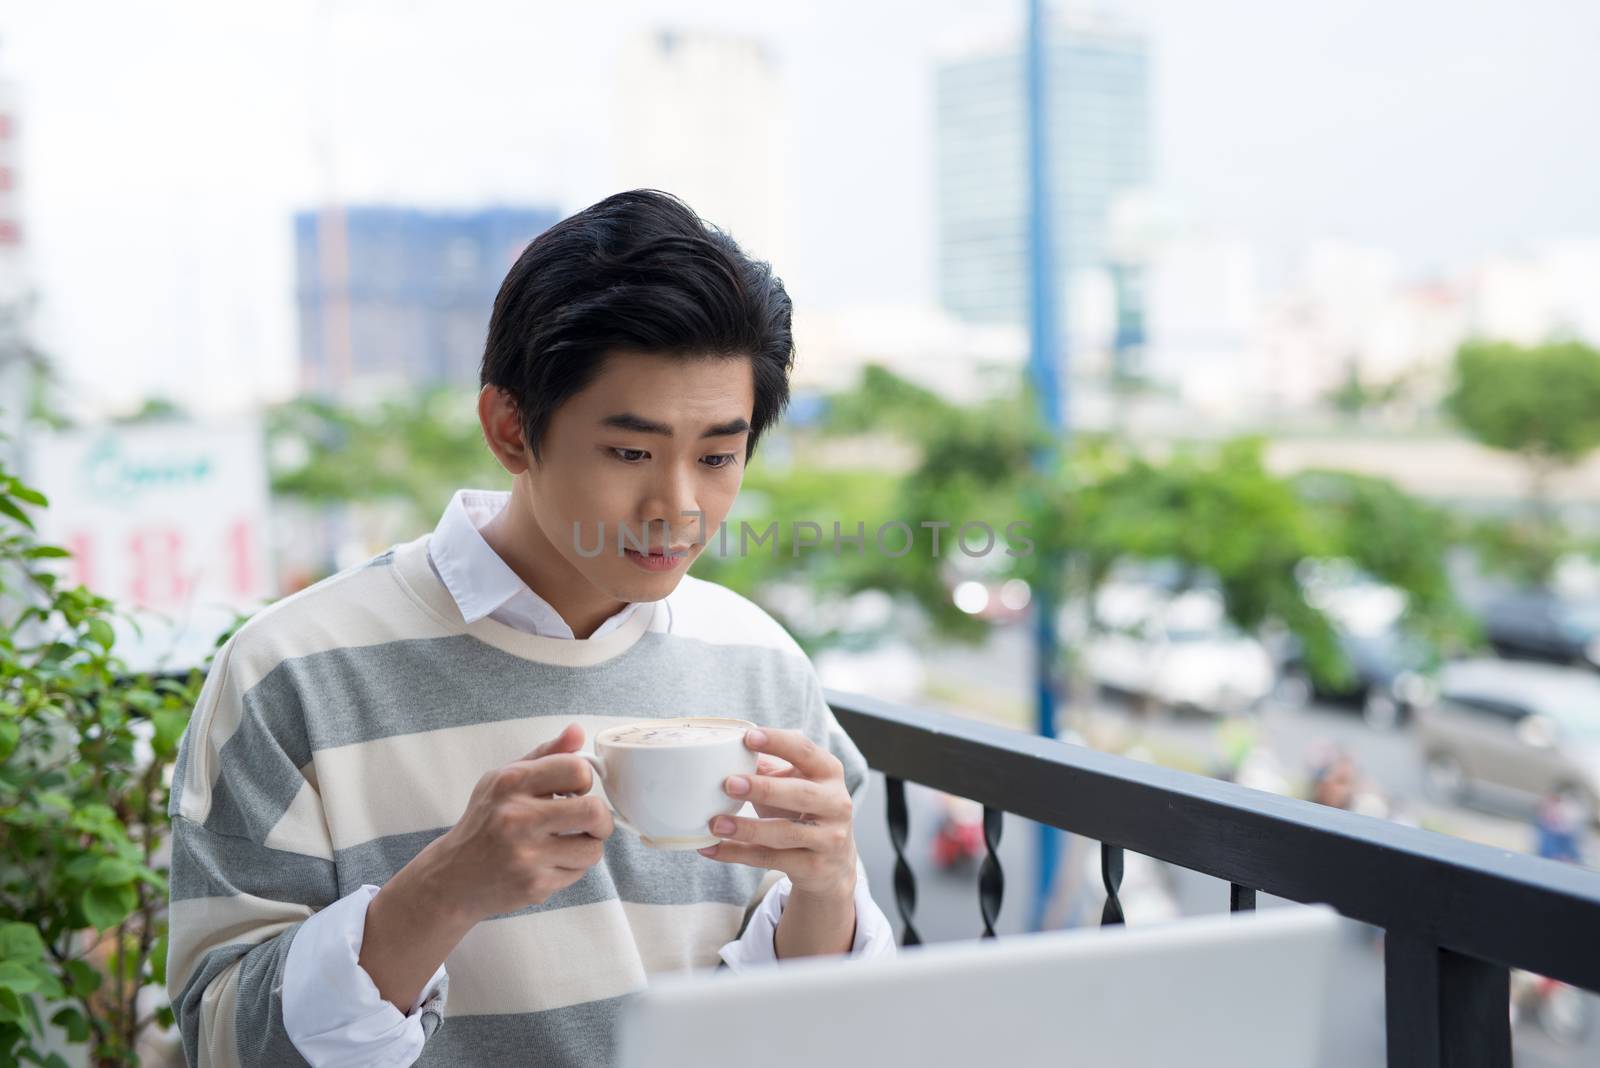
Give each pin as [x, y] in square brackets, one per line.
[205, 864]
[258, 1020]
[630, 871]
[578, 1036]
[366, 693]
[260, 764]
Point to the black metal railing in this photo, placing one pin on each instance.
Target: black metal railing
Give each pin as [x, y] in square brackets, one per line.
[1457, 915]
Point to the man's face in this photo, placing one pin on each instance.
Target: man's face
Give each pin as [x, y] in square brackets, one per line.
[652, 440]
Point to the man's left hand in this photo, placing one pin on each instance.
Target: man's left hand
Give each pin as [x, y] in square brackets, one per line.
[805, 829]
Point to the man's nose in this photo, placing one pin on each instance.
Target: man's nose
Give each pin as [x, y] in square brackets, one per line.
[673, 505]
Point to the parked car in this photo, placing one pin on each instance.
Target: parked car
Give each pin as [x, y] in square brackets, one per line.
[1388, 676]
[1545, 626]
[1179, 651]
[1532, 728]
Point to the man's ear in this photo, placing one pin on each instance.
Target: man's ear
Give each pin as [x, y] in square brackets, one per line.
[502, 429]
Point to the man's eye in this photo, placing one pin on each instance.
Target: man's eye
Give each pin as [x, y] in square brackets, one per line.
[724, 459]
[631, 456]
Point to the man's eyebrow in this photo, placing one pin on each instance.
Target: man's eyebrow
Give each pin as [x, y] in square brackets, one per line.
[640, 425]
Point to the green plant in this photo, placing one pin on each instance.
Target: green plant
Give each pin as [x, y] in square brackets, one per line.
[84, 748]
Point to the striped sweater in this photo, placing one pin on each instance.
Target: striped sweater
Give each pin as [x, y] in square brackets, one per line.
[343, 728]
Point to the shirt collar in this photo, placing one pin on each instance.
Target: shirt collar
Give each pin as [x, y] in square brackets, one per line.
[476, 576]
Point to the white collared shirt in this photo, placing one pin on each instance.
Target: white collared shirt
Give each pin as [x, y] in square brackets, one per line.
[482, 583]
[332, 1010]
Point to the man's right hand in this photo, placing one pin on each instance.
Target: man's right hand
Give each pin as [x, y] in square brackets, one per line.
[530, 828]
[506, 852]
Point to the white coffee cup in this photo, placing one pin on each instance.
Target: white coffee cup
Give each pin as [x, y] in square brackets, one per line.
[668, 794]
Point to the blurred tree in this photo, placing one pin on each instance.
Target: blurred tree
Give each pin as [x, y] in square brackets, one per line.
[1214, 511]
[1542, 403]
[412, 451]
[1396, 539]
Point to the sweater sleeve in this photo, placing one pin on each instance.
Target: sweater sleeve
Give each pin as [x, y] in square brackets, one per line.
[252, 859]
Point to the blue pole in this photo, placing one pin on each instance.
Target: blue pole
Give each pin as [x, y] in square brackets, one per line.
[1043, 371]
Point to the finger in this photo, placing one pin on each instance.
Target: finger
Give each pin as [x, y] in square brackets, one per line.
[813, 761]
[557, 773]
[577, 815]
[766, 765]
[768, 812]
[774, 833]
[575, 852]
[570, 740]
[777, 769]
[824, 799]
[740, 853]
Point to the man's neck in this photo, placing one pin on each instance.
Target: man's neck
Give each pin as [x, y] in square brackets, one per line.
[519, 541]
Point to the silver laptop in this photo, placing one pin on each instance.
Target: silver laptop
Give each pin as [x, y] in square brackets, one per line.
[1245, 990]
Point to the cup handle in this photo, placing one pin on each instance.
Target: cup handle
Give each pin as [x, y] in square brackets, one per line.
[600, 773]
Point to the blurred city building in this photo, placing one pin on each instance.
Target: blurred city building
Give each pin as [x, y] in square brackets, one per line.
[1097, 74]
[394, 297]
[700, 115]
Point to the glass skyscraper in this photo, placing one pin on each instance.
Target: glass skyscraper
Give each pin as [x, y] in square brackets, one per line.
[1097, 110]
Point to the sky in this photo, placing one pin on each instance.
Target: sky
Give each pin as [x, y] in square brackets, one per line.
[167, 144]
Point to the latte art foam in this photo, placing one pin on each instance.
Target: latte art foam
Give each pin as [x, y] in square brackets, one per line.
[677, 734]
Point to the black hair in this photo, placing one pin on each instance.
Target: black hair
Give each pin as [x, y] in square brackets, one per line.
[640, 271]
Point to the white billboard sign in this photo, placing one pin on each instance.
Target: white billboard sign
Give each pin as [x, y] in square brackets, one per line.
[169, 520]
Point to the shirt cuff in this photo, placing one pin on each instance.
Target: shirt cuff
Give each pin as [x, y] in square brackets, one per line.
[332, 1009]
[758, 945]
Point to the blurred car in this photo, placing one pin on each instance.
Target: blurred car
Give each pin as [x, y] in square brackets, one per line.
[1544, 626]
[1388, 663]
[1179, 651]
[1533, 728]
[1388, 676]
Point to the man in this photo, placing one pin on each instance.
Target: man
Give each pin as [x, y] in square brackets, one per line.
[376, 807]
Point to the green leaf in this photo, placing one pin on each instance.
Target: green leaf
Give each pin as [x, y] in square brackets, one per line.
[158, 960]
[9, 733]
[18, 977]
[80, 869]
[169, 724]
[9, 507]
[101, 634]
[73, 1022]
[114, 871]
[32, 1005]
[85, 978]
[106, 906]
[51, 799]
[32, 496]
[57, 652]
[20, 942]
[50, 987]
[11, 1007]
[46, 552]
